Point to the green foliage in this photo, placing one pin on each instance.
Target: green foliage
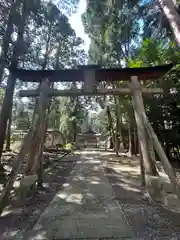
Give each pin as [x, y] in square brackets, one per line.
[49, 42]
[122, 33]
[1, 95]
[154, 52]
[69, 146]
[133, 34]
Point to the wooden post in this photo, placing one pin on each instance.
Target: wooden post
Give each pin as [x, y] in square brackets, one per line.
[135, 143]
[151, 149]
[142, 169]
[15, 169]
[138, 109]
[160, 151]
[39, 135]
[89, 80]
[21, 156]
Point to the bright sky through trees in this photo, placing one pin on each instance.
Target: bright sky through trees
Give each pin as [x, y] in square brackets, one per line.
[76, 23]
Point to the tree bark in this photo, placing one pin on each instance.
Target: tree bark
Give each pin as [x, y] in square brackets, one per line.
[8, 134]
[5, 113]
[121, 135]
[7, 37]
[117, 142]
[129, 154]
[173, 17]
[110, 125]
[8, 97]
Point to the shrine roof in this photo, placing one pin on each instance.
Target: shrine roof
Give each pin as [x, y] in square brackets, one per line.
[101, 74]
[89, 132]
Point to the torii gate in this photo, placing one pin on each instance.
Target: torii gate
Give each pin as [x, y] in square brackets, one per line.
[92, 75]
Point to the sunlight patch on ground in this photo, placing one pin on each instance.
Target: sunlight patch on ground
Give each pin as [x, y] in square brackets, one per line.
[96, 168]
[75, 197]
[6, 212]
[41, 235]
[127, 187]
[126, 172]
[105, 153]
[94, 182]
[121, 168]
[71, 197]
[66, 185]
[77, 178]
[62, 195]
[93, 178]
[13, 233]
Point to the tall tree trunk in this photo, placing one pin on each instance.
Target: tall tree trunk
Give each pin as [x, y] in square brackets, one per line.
[7, 37]
[8, 134]
[121, 135]
[173, 17]
[129, 154]
[5, 113]
[74, 131]
[8, 97]
[110, 125]
[117, 134]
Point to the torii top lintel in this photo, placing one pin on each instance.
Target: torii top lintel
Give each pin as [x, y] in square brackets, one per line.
[101, 74]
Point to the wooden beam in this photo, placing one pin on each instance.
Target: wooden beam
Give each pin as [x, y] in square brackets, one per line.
[79, 92]
[101, 74]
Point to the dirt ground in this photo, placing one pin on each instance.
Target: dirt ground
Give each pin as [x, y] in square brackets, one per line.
[149, 220]
[22, 215]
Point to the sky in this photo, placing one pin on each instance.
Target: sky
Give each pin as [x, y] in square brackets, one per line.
[76, 23]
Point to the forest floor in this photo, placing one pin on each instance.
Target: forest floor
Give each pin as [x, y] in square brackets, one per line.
[21, 215]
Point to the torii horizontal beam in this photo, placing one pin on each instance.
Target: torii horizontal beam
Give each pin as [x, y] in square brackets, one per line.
[79, 92]
[100, 74]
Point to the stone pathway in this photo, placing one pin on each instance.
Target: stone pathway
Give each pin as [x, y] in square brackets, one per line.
[89, 207]
[85, 208]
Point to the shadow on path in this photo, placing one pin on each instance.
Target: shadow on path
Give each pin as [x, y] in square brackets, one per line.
[149, 221]
[85, 208]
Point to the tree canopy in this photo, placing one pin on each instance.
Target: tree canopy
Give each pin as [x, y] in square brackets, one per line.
[38, 35]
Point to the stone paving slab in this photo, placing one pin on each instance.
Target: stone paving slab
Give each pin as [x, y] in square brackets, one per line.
[84, 209]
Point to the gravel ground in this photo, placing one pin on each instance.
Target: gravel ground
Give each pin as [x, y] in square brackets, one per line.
[23, 215]
[148, 220]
